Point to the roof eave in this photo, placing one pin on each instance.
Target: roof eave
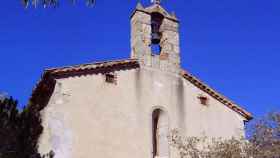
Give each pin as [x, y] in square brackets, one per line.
[230, 104]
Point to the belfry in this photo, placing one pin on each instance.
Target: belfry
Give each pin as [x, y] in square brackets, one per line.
[155, 37]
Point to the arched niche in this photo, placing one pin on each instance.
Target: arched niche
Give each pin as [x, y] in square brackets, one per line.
[160, 129]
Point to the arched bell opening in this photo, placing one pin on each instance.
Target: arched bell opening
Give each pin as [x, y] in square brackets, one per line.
[156, 22]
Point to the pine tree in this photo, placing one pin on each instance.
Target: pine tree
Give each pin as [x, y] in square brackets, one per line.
[19, 131]
[9, 128]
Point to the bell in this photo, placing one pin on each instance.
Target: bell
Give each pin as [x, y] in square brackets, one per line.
[156, 38]
[156, 21]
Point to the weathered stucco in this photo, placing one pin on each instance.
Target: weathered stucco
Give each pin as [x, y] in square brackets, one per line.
[89, 117]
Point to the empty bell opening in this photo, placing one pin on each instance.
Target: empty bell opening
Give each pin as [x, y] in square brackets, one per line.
[156, 49]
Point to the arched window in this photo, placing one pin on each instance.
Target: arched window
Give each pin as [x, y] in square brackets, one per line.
[160, 133]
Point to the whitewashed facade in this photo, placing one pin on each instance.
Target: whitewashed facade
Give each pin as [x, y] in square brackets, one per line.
[126, 108]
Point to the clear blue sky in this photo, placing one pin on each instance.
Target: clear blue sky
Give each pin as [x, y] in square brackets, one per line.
[233, 45]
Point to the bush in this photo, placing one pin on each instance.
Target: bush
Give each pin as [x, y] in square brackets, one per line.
[263, 142]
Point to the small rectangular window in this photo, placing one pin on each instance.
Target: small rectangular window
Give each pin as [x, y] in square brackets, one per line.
[203, 100]
[110, 78]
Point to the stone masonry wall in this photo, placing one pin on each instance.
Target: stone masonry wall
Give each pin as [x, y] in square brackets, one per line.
[169, 59]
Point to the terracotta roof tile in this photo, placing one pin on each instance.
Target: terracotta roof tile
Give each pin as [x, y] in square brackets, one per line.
[216, 95]
[93, 68]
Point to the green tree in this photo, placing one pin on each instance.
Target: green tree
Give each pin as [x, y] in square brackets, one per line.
[9, 128]
[19, 131]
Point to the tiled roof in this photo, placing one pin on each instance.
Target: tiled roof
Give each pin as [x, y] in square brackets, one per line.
[93, 68]
[45, 86]
[216, 95]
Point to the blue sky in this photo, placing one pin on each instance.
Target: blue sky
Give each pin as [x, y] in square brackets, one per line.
[234, 46]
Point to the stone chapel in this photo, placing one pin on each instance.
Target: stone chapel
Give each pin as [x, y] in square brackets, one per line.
[126, 108]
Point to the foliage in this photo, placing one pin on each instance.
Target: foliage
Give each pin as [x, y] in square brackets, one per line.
[263, 142]
[9, 125]
[52, 3]
[19, 131]
[264, 134]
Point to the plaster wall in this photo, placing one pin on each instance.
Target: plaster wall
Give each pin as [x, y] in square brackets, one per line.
[87, 117]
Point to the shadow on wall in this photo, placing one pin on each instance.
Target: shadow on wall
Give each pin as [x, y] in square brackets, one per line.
[181, 103]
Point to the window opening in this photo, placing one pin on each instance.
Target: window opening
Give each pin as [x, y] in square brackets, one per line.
[110, 78]
[156, 49]
[203, 100]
